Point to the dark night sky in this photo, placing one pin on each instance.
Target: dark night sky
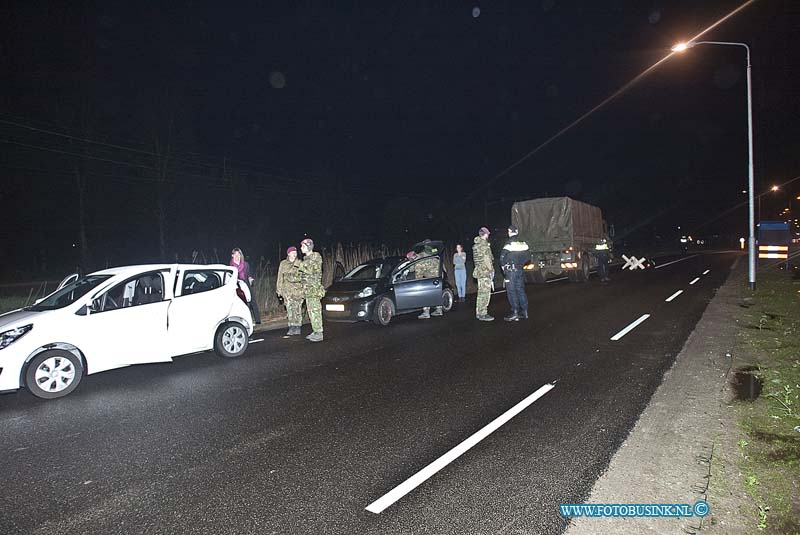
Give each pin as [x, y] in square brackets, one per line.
[359, 122]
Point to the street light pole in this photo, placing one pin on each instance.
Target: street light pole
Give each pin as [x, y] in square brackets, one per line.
[750, 186]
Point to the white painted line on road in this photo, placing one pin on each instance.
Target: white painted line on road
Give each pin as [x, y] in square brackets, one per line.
[499, 292]
[420, 477]
[694, 281]
[256, 340]
[659, 266]
[673, 296]
[706, 272]
[630, 327]
[558, 279]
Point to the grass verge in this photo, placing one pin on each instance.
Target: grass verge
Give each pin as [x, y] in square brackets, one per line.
[768, 344]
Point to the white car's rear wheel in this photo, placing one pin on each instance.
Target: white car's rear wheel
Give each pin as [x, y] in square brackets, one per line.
[53, 374]
[231, 340]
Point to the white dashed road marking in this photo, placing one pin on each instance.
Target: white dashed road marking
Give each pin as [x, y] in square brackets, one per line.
[673, 296]
[420, 477]
[706, 272]
[630, 327]
[694, 281]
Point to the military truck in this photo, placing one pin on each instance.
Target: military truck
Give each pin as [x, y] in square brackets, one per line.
[561, 233]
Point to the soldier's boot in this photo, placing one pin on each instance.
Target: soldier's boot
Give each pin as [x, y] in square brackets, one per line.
[512, 317]
[437, 312]
[295, 330]
[485, 317]
[290, 332]
[426, 314]
[316, 336]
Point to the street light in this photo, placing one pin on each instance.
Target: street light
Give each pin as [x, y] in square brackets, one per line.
[772, 189]
[750, 197]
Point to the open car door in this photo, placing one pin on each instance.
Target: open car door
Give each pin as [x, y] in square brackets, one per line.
[418, 283]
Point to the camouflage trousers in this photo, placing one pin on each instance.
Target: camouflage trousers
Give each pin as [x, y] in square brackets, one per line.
[314, 308]
[294, 311]
[484, 295]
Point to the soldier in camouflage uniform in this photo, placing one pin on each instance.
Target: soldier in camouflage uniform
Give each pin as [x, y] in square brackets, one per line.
[484, 271]
[313, 290]
[428, 268]
[290, 288]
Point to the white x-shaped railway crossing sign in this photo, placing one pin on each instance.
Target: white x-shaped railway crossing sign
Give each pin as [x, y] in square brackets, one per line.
[632, 263]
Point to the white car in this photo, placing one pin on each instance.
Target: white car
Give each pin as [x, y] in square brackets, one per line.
[118, 317]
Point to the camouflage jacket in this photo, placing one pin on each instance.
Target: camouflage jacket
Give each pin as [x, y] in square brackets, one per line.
[482, 255]
[311, 270]
[428, 267]
[289, 282]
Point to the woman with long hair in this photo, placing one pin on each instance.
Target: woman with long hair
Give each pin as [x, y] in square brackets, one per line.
[241, 265]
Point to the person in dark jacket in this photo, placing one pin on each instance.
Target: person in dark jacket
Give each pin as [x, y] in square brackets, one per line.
[603, 253]
[513, 257]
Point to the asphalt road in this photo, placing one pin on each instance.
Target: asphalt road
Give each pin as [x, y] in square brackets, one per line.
[297, 438]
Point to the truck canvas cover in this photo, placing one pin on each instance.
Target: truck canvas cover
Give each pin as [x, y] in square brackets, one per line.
[555, 223]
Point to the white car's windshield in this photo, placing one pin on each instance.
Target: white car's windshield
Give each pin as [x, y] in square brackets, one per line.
[69, 293]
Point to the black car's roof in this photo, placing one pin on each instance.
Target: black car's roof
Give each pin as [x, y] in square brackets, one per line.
[382, 260]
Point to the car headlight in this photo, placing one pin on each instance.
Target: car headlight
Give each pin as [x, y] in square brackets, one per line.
[366, 292]
[9, 337]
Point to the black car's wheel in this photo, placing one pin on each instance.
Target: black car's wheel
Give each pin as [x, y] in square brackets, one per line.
[384, 311]
[231, 340]
[447, 300]
[53, 374]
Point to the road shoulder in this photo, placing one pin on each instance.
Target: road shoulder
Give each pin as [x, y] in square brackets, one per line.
[667, 458]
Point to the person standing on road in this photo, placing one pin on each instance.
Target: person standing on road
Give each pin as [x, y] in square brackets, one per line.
[243, 268]
[290, 288]
[460, 270]
[603, 253]
[483, 272]
[428, 268]
[513, 257]
[313, 290]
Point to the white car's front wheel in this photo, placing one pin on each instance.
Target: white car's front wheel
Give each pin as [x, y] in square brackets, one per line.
[231, 340]
[53, 374]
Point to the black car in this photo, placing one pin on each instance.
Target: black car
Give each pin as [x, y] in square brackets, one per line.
[382, 288]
